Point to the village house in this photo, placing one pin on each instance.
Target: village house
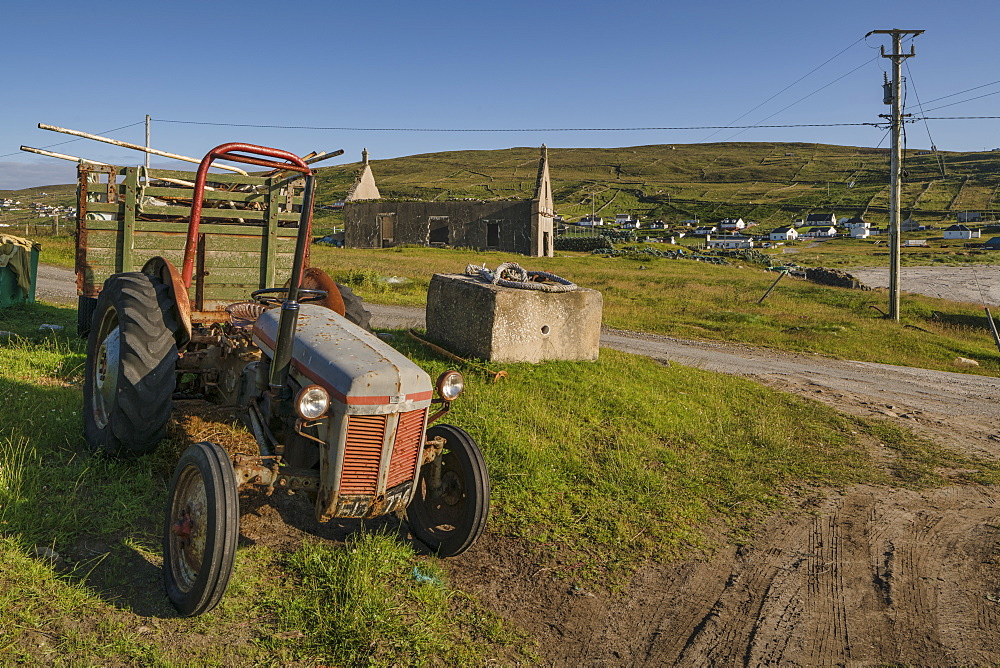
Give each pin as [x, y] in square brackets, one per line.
[787, 233]
[858, 227]
[961, 232]
[992, 244]
[732, 224]
[821, 219]
[591, 221]
[627, 221]
[729, 241]
[821, 231]
[704, 230]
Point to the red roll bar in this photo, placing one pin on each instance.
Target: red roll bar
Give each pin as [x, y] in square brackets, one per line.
[292, 163]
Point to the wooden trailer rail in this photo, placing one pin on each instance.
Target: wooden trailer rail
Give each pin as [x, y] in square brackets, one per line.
[127, 216]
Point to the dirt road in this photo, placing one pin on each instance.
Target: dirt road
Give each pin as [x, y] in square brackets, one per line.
[55, 285]
[974, 283]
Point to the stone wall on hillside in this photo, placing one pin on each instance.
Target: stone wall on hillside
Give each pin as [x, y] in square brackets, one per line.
[834, 277]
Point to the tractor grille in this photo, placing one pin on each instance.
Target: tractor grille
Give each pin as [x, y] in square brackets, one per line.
[406, 447]
[363, 451]
[362, 454]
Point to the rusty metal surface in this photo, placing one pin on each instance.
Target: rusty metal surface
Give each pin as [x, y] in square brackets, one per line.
[228, 151]
[189, 525]
[161, 268]
[356, 368]
[265, 471]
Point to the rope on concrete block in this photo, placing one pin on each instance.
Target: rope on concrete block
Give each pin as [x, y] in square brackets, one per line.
[512, 275]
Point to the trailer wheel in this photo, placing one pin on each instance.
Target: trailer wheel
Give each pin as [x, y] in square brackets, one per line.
[354, 307]
[129, 373]
[450, 518]
[201, 530]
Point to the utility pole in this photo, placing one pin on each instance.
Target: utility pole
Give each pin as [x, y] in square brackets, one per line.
[894, 98]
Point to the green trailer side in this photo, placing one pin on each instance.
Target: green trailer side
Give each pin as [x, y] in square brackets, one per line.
[128, 215]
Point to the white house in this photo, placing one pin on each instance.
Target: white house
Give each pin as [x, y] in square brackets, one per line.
[821, 219]
[590, 221]
[732, 224]
[705, 230]
[858, 227]
[787, 233]
[822, 231]
[626, 221]
[961, 232]
[730, 241]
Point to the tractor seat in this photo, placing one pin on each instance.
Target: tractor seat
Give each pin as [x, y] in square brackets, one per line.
[243, 314]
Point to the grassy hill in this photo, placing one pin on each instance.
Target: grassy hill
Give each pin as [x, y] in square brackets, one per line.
[768, 182]
[771, 183]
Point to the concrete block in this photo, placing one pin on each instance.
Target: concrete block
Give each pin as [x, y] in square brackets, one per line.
[477, 319]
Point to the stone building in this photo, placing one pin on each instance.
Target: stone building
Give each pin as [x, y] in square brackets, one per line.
[513, 226]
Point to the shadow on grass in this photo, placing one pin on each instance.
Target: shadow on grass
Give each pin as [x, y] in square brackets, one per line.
[25, 319]
[95, 520]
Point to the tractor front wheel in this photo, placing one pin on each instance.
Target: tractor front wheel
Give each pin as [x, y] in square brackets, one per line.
[202, 527]
[452, 501]
[129, 373]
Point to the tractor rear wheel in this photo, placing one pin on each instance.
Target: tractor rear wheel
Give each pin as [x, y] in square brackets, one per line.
[201, 530]
[450, 507]
[129, 373]
[355, 308]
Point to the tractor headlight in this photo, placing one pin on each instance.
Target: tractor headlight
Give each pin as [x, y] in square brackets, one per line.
[312, 402]
[450, 384]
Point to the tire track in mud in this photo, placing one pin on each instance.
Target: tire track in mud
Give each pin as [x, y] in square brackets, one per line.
[867, 576]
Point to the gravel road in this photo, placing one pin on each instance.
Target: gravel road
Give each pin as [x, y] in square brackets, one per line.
[974, 284]
[55, 285]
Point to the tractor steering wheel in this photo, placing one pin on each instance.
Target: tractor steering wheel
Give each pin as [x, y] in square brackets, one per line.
[269, 296]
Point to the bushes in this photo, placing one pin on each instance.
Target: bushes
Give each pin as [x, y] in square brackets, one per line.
[604, 239]
[580, 243]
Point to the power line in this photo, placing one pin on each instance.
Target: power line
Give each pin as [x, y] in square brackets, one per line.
[70, 141]
[785, 88]
[623, 129]
[952, 104]
[967, 90]
[927, 127]
[867, 62]
[957, 118]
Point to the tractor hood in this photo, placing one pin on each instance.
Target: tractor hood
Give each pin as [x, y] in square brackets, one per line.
[357, 368]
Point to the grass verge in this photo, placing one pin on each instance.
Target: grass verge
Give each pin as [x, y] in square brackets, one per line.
[601, 465]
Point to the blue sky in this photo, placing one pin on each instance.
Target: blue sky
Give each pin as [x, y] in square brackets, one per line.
[501, 65]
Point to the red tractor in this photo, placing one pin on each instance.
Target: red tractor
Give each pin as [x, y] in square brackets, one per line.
[336, 412]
